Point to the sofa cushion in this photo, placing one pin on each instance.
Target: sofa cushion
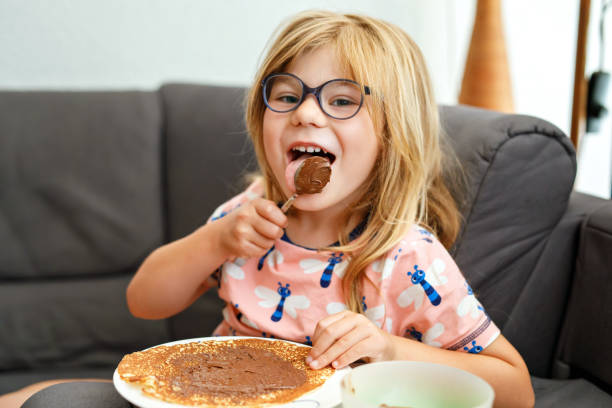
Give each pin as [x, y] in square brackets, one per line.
[80, 189]
[71, 323]
[568, 394]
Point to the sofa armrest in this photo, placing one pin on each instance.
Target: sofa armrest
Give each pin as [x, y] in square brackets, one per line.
[585, 346]
[547, 289]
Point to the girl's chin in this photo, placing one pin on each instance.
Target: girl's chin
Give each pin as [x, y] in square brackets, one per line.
[312, 203]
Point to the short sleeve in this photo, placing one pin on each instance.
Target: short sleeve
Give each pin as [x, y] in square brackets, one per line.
[254, 190]
[430, 299]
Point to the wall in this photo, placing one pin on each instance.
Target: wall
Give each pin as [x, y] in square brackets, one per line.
[143, 43]
[119, 44]
[595, 149]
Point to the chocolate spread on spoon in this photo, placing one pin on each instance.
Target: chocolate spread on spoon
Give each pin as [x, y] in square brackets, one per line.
[312, 175]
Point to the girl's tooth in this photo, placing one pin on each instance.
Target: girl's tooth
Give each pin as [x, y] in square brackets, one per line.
[309, 149]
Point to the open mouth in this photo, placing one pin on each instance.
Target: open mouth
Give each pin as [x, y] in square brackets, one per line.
[299, 151]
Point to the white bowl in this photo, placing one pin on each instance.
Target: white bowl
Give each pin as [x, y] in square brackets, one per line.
[414, 384]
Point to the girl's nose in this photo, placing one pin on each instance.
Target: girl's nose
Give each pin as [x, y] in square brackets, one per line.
[309, 113]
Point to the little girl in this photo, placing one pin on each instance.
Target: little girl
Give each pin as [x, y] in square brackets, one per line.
[359, 270]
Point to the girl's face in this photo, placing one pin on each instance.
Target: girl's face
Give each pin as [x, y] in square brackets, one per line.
[352, 142]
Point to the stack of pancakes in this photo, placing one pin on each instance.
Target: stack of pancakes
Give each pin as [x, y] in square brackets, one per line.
[237, 372]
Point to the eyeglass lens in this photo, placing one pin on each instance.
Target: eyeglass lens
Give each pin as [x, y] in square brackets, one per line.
[340, 99]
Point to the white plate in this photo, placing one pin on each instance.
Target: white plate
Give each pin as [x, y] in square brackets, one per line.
[326, 396]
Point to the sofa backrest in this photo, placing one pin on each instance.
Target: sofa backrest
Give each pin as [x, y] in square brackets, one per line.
[79, 178]
[80, 206]
[206, 159]
[207, 152]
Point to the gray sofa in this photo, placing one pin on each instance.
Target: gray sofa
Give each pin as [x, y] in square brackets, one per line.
[91, 182]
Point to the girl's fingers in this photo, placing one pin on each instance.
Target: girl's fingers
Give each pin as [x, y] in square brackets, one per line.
[342, 349]
[331, 330]
[354, 353]
[251, 249]
[323, 326]
[267, 229]
[244, 238]
[269, 211]
[263, 243]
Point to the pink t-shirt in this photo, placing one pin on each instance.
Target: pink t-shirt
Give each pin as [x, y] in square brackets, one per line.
[416, 290]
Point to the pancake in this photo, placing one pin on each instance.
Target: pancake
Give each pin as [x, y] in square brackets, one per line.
[227, 373]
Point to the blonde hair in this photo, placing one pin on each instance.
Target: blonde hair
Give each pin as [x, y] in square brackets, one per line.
[406, 186]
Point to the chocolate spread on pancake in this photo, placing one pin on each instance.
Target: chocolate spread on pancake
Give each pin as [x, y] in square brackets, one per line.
[312, 175]
[223, 373]
[235, 373]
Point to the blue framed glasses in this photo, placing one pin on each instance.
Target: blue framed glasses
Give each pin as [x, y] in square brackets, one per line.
[338, 98]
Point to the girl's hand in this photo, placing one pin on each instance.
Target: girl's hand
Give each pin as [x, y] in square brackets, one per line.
[345, 337]
[250, 230]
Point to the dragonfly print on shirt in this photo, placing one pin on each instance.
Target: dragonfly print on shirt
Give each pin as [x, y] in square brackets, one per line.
[430, 335]
[282, 299]
[474, 348]
[469, 305]
[426, 235]
[273, 257]
[241, 317]
[424, 283]
[334, 265]
[385, 267]
[234, 269]
[374, 314]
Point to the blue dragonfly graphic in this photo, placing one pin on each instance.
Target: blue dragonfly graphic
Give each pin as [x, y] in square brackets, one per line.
[273, 258]
[469, 305]
[385, 267]
[426, 235]
[474, 349]
[335, 264]
[419, 277]
[221, 215]
[308, 341]
[284, 292]
[220, 212]
[373, 313]
[241, 317]
[238, 312]
[263, 258]
[233, 269]
[415, 334]
[430, 335]
[283, 300]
